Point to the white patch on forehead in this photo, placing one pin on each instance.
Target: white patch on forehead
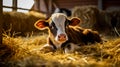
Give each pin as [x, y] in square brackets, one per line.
[58, 18]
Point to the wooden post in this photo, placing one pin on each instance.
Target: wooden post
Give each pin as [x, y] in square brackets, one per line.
[50, 7]
[39, 5]
[36, 5]
[100, 4]
[43, 6]
[14, 4]
[1, 21]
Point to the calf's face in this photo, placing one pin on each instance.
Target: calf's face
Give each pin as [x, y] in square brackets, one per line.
[57, 26]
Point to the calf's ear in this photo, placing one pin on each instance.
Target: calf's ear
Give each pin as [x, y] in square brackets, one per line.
[74, 21]
[41, 24]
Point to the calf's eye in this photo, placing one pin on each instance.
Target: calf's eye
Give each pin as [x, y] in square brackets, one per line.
[52, 27]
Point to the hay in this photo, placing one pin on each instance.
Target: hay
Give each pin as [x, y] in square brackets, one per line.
[20, 52]
[21, 22]
[87, 14]
[95, 19]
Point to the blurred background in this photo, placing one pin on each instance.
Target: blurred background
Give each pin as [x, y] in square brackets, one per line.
[49, 6]
[19, 16]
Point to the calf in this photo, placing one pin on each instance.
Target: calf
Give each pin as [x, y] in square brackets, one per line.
[64, 33]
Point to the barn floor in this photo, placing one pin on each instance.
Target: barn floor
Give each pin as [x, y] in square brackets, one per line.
[25, 52]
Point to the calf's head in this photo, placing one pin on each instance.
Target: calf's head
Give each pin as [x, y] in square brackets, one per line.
[57, 25]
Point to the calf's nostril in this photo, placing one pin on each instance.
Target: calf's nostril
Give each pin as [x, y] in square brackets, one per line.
[59, 36]
[64, 36]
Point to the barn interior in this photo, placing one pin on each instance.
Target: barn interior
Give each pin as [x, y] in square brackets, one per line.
[20, 41]
[94, 14]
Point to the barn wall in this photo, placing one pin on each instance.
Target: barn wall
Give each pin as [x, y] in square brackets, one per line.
[110, 3]
[72, 3]
[69, 4]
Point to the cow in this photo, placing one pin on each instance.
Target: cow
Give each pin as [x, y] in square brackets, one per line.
[65, 33]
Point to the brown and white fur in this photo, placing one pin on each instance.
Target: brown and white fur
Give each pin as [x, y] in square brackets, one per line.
[64, 33]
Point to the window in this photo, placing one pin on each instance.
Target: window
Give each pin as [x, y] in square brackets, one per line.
[7, 9]
[21, 6]
[7, 3]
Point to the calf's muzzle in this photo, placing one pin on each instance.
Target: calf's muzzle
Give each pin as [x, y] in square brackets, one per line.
[62, 37]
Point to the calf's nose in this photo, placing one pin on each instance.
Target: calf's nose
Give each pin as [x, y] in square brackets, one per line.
[62, 37]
